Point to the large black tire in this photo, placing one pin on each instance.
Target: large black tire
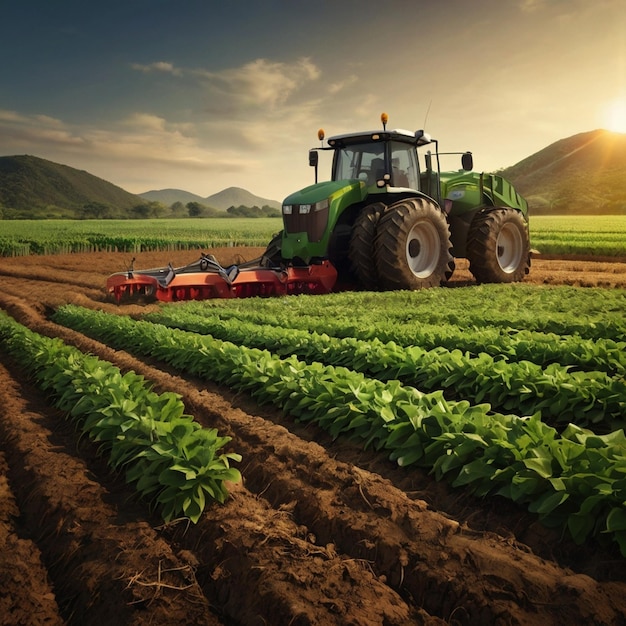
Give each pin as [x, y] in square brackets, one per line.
[361, 249]
[498, 246]
[413, 248]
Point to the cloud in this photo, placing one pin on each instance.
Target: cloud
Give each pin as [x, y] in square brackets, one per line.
[158, 66]
[263, 82]
[340, 85]
[529, 6]
[141, 146]
[20, 132]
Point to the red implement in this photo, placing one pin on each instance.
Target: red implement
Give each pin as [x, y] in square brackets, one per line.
[206, 279]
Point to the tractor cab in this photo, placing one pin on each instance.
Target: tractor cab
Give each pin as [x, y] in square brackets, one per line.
[379, 159]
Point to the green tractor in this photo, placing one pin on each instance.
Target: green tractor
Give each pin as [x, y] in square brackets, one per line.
[389, 218]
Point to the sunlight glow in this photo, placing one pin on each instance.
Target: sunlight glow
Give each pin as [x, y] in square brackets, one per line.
[615, 115]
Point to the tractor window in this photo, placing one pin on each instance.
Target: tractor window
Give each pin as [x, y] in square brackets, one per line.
[363, 161]
[404, 166]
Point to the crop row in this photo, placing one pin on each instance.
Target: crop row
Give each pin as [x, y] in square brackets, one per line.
[398, 322]
[589, 235]
[595, 314]
[171, 460]
[62, 236]
[575, 480]
[117, 243]
[561, 396]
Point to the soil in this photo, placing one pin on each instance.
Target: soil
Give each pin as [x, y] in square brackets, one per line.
[319, 532]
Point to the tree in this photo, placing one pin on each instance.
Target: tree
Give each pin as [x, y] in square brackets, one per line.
[142, 211]
[178, 209]
[96, 210]
[195, 209]
[269, 211]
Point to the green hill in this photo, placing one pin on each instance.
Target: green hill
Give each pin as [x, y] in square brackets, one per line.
[581, 175]
[232, 196]
[34, 187]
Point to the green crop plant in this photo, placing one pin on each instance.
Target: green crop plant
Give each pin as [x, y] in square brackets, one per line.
[563, 478]
[171, 460]
[524, 387]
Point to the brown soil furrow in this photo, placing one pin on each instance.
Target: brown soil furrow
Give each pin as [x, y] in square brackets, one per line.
[106, 568]
[50, 275]
[32, 600]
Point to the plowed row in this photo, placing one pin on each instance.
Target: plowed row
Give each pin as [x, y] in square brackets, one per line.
[318, 532]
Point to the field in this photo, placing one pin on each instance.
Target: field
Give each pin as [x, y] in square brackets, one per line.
[324, 526]
[598, 236]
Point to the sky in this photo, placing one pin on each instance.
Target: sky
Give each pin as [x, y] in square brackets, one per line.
[202, 95]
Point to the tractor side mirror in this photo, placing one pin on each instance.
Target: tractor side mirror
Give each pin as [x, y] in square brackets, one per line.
[467, 161]
[313, 158]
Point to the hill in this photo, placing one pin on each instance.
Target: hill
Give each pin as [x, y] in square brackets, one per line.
[170, 196]
[583, 174]
[232, 196]
[47, 189]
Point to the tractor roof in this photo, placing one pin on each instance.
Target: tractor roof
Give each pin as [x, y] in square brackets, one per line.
[417, 138]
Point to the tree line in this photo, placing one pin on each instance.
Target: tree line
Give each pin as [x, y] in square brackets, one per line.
[144, 210]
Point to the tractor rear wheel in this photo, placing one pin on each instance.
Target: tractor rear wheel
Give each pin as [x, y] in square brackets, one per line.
[361, 251]
[498, 246]
[413, 248]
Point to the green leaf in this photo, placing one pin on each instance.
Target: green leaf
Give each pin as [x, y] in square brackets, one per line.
[616, 520]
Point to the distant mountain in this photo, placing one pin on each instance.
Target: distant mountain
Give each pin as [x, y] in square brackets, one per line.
[29, 183]
[232, 196]
[170, 196]
[583, 174]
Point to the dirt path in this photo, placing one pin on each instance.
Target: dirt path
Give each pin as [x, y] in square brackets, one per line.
[318, 533]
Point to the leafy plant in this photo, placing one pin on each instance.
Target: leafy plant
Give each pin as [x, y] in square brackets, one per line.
[574, 480]
[164, 452]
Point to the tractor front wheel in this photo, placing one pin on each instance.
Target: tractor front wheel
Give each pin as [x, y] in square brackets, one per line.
[361, 251]
[498, 246]
[412, 246]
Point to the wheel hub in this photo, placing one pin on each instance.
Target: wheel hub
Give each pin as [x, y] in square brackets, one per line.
[422, 249]
[510, 248]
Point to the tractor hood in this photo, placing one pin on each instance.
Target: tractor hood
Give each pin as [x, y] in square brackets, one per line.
[330, 190]
[310, 216]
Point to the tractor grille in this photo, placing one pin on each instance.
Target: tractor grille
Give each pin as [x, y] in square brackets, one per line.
[313, 223]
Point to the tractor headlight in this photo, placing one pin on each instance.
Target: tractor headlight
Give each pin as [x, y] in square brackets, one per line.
[321, 205]
[305, 209]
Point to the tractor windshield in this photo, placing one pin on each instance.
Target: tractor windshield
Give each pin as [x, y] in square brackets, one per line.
[365, 161]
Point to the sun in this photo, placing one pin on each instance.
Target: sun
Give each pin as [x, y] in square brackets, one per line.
[615, 115]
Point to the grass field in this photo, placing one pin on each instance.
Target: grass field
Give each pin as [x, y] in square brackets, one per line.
[603, 235]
